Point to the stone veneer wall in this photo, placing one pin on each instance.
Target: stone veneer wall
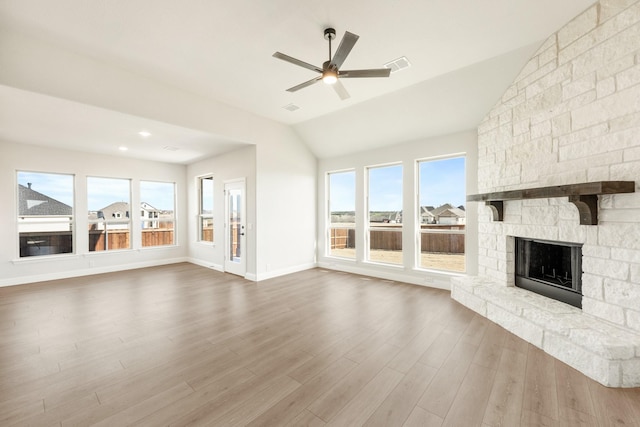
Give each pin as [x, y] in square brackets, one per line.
[571, 116]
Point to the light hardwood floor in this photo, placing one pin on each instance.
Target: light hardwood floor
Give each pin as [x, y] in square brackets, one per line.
[185, 345]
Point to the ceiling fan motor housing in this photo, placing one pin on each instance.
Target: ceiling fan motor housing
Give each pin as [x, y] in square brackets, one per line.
[329, 34]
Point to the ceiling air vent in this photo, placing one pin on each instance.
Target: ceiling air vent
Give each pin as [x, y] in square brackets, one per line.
[170, 148]
[291, 107]
[398, 64]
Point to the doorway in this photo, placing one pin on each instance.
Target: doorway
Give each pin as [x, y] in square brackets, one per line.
[235, 247]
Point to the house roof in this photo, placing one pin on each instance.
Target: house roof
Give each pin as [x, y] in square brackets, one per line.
[109, 211]
[447, 210]
[453, 212]
[34, 203]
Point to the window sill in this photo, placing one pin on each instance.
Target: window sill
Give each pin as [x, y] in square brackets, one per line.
[151, 248]
[449, 273]
[339, 258]
[112, 252]
[384, 264]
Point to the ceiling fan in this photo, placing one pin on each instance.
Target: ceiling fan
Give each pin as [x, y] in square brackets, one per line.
[330, 72]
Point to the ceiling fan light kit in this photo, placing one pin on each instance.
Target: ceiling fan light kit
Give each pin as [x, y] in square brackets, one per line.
[330, 72]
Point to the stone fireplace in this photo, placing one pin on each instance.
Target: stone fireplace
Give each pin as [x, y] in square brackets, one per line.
[572, 116]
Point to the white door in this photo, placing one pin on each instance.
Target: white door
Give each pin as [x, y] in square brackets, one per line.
[235, 246]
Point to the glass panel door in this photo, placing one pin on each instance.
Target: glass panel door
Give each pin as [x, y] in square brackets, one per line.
[235, 228]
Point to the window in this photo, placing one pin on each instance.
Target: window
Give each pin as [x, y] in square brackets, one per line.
[342, 214]
[441, 214]
[157, 213]
[45, 213]
[385, 214]
[205, 217]
[109, 201]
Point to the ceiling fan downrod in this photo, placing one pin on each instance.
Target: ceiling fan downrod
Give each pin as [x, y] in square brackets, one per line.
[329, 34]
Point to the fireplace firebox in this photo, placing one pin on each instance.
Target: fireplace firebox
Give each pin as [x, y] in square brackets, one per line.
[552, 269]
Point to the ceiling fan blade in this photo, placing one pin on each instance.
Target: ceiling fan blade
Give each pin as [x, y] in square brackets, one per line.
[297, 62]
[305, 84]
[341, 91]
[346, 44]
[377, 72]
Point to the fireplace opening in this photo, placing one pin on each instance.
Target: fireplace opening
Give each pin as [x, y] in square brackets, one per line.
[552, 269]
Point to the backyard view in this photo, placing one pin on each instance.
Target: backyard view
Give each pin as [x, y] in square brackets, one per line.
[441, 215]
[46, 217]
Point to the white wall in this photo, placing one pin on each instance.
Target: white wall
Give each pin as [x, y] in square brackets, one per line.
[236, 164]
[285, 169]
[14, 157]
[286, 199]
[407, 153]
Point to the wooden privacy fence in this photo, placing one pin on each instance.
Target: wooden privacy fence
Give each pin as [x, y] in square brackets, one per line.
[117, 239]
[157, 237]
[439, 240]
[342, 238]
[444, 243]
[120, 239]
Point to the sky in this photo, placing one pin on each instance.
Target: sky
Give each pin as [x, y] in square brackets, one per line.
[207, 195]
[56, 186]
[441, 181]
[101, 192]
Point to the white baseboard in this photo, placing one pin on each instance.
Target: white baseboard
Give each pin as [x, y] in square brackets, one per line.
[415, 277]
[86, 272]
[207, 264]
[284, 271]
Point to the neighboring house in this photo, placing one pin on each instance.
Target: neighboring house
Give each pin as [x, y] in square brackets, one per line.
[110, 216]
[38, 212]
[44, 224]
[426, 217]
[394, 217]
[447, 214]
[149, 216]
[114, 212]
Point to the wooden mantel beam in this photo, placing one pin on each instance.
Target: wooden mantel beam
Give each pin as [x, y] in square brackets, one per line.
[584, 196]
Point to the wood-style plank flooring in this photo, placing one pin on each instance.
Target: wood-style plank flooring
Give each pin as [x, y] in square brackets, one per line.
[185, 345]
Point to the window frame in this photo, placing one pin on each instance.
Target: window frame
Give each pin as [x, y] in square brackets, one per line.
[201, 216]
[119, 220]
[367, 225]
[330, 225]
[417, 218]
[67, 221]
[157, 218]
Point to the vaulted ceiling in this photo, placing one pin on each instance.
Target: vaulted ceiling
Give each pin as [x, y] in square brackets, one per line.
[463, 54]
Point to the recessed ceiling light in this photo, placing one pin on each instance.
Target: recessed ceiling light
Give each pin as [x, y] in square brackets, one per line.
[398, 64]
[144, 134]
[123, 148]
[291, 107]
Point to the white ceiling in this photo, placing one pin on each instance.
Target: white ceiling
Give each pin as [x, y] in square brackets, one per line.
[463, 55]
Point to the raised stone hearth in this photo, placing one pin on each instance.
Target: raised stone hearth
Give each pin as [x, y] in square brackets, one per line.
[599, 349]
